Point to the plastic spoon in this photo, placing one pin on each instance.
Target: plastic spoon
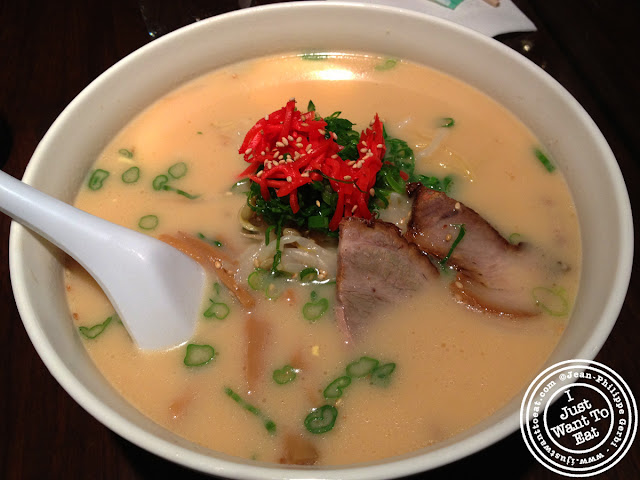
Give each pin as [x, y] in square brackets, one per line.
[156, 290]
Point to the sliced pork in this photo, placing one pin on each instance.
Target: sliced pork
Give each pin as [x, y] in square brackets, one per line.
[489, 269]
[377, 267]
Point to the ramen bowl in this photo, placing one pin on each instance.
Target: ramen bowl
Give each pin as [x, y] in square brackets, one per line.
[68, 150]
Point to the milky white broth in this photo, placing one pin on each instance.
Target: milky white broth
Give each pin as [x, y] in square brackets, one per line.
[455, 366]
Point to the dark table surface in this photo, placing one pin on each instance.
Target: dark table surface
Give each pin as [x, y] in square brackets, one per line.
[50, 51]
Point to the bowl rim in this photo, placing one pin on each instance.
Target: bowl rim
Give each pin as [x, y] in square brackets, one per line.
[394, 467]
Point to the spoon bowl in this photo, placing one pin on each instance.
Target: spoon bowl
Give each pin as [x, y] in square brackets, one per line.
[156, 290]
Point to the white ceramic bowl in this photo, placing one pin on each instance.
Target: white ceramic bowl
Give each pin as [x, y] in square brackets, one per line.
[82, 130]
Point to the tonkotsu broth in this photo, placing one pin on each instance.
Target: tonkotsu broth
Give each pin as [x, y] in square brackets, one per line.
[455, 366]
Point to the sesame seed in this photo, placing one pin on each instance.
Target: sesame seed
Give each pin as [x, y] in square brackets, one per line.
[353, 210]
[309, 147]
[285, 141]
[290, 138]
[279, 144]
[334, 156]
[364, 142]
[457, 206]
[289, 179]
[304, 174]
[259, 174]
[334, 135]
[276, 153]
[299, 145]
[217, 264]
[247, 151]
[459, 285]
[321, 131]
[448, 237]
[266, 117]
[347, 177]
[372, 192]
[351, 162]
[262, 153]
[318, 203]
[380, 145]
[304, 124]
[364, 150]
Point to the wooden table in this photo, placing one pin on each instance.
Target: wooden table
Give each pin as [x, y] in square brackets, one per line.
[49, 51]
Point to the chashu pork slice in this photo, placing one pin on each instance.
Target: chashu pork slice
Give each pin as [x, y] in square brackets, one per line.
[491, 273]
[377, 267]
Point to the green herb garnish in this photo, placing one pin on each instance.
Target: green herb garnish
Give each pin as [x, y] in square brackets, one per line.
[125, 152]
[335, 388]
[284, 375]
[544, 160]
[268, 424]
[178, 170]
[459, 237]
[552, 300]
[322, 419]
[97, 178]
[362, 367]
[198, 355]
[148, 222]
[315, 308]
[95, 330]
[131, 175]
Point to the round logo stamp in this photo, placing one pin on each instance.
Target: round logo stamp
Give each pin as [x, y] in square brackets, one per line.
[578, 418]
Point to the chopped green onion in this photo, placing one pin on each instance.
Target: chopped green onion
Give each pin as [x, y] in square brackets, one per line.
[381, 375]
[284, 375]
[552, 301]
[309, 275]
[362, 367]
[315, 56]
[544, 160]
[178, 170]
[335, 388]
[159, 182]
[318, 222]
[148, 222]
[268, 424]
[218, 310]
[97, 179]
[388, 64]
[94, 331]
[215, 243]
[198, 355]
[126, 153]
[169, 188]
[131, 175]
[514, 238]
[314, 309]
[241, 186]
[459, 237]
[322, 419]
[447, 122]
[258, 279]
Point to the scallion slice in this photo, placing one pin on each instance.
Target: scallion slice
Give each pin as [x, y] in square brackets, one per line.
[544, 160]
[335, 388]
[284, 375]
[552, 300]
[268, 423]
[314, 309]
[131, 175]
[459, 237]
[308, 275]
[381, 375]
[447, 122]
[198, 355]
[362, 367]
[178, 170]
[125, 152]
[148, 222]
[97, 178]
[322, 419]
[159, 182]
[94, 331]
[219, 310]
